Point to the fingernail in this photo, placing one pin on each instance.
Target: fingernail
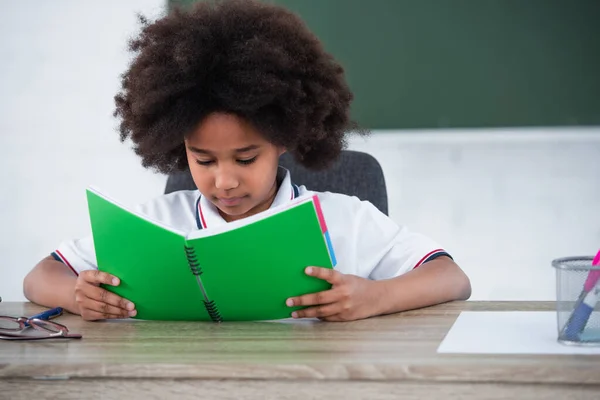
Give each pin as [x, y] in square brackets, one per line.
[309, 270]
[132, 313]
[289, 302]
[294, 314]
[115, 281]
[130, 306]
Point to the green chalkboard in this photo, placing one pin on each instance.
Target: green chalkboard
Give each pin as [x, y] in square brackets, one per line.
[463, 63]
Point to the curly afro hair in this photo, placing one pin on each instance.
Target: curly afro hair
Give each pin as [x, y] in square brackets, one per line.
[251, 59]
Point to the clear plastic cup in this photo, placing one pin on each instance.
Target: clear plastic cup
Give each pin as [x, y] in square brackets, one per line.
[577, 301]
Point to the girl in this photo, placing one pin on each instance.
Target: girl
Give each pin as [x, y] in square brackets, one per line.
[224, 89]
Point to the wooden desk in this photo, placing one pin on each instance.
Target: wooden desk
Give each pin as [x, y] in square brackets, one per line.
[387, 357]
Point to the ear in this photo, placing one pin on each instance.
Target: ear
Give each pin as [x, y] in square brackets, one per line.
[282, 150]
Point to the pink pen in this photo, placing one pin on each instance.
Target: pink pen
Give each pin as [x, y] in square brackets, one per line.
[593, 276]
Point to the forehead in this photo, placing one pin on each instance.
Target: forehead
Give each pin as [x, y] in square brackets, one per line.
[220, 130]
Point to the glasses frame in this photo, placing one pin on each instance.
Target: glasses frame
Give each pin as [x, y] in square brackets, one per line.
[53, 330]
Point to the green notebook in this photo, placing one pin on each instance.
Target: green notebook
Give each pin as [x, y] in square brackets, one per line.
[242, 270]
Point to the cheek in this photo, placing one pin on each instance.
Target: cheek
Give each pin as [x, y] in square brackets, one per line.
[265, 177]
[200, 178]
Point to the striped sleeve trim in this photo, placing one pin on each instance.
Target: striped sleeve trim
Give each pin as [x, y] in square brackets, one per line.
[432, 255]
[57, 255]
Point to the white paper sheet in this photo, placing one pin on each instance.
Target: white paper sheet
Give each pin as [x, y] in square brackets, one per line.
[507, 332]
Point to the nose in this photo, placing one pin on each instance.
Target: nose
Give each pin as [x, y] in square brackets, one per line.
[226, 178]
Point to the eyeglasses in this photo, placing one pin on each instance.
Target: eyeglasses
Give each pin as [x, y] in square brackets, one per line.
[15, 328]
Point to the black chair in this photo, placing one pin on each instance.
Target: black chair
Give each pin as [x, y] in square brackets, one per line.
[354, 173]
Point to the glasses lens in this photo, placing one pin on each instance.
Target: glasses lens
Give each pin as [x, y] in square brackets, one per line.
[47, 326]
[9, 324]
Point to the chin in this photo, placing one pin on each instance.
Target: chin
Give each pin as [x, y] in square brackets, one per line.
[234, 211]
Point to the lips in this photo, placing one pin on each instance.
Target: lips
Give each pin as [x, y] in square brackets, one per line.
[230, 201]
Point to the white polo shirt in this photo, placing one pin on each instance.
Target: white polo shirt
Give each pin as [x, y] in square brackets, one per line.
[366, 242]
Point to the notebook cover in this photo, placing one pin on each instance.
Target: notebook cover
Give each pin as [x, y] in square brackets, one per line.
[150, 261]
[249, 272]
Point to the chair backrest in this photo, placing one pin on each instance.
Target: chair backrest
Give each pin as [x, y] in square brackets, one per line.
[354, 173]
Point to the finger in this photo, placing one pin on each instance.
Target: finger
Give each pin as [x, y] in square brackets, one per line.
[85, 290]
[327, 274]
[313, 299]
[90, 315]
[104, 296]
[102, 310]
[98, 277]
[318, 311]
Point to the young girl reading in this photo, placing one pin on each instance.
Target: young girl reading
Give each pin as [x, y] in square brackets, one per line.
[223, 90]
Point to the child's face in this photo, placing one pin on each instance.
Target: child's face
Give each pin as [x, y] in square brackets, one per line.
[232, 165]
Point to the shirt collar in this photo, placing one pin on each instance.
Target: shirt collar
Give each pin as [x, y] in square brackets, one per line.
[207, 214]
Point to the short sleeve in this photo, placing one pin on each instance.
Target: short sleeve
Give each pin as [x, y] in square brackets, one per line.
[79, 254]
[369, 244]
[386, 250]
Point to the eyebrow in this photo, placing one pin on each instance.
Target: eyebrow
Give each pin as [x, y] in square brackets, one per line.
[240, 150]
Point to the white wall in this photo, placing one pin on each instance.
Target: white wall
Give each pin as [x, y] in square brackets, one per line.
[504, 203]
[60, 63]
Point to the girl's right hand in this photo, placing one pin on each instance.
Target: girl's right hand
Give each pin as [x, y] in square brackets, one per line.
[95, 302]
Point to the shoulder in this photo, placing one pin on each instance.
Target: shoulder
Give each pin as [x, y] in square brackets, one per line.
[174, 200]
[177, 209]
[344, 208]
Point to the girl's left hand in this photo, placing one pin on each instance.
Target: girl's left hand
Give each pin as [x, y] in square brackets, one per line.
[350, 297]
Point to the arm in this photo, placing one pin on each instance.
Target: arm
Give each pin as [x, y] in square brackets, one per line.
[437, 281]
[401, 276]
[52, 284]
[352, 297]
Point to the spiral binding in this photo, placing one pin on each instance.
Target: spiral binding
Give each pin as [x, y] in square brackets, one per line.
[211, 307]
[213, 311]
[193, 261]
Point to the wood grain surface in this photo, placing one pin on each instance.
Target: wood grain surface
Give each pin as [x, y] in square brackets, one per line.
[382, 357]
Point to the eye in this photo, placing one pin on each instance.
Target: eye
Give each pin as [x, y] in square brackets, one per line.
[205, 163]
[247, 162]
